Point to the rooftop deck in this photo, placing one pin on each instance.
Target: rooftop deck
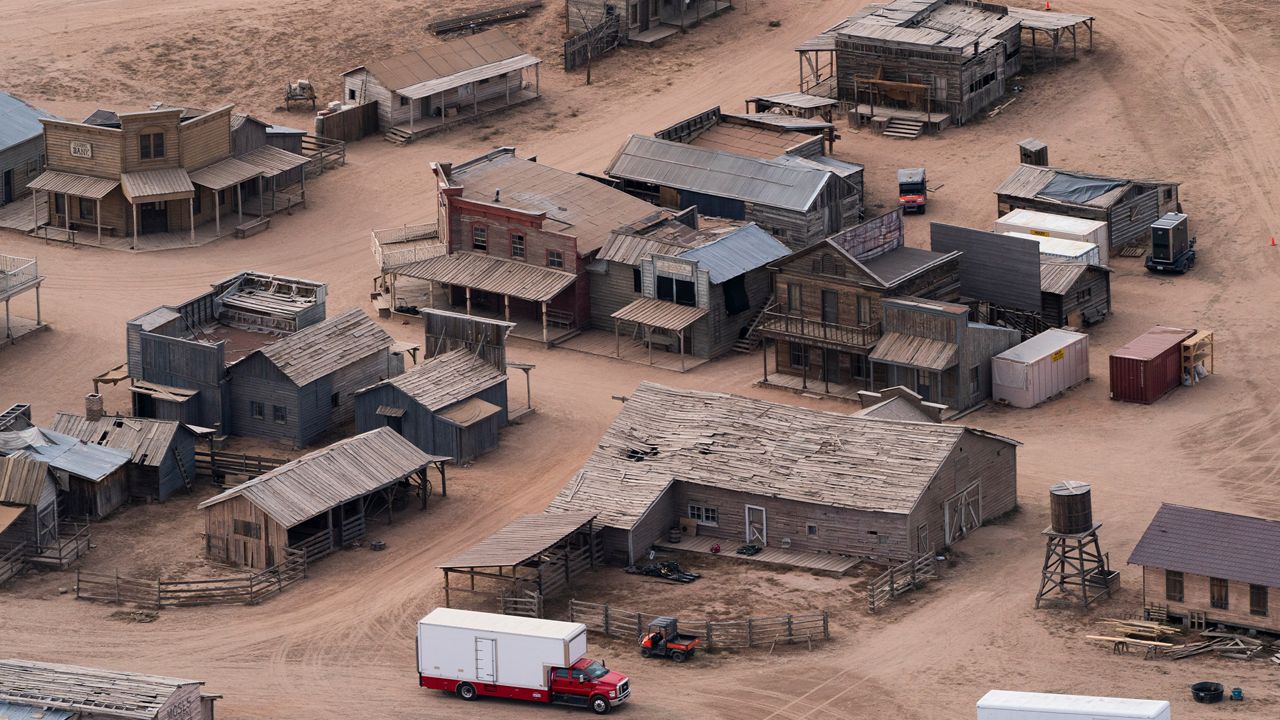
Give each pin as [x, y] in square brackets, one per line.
[824, 562]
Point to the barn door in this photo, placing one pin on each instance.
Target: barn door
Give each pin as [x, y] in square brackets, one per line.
[486, 660]
[962, 513]
[757, 529]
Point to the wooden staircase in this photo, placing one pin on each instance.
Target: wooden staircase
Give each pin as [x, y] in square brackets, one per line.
[902, 128]
[396, 136]
[750, 342]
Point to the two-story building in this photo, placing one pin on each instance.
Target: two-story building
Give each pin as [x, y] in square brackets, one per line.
[520, 235]
[825, 318]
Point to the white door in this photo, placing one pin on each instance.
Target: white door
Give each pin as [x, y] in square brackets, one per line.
[757, 529]
[486, 660]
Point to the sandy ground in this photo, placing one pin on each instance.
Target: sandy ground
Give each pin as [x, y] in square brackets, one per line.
[1185, 90]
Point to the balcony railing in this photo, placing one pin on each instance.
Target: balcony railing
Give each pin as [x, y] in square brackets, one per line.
[16, 273]
[790, 325]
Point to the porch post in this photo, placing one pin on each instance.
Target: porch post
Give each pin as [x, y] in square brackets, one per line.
[239, 205]
[764, 357]
[411, 116]
[467, 290]
[506, 308]
[617, 340]
[35, 208]
[804, 382]
[217, 213]
[261, 193]
[544, 323]
[431, 294]
[66, 213]
[682, 351]
[304, 188]
[134, 205]
[191, 213]
[648, 340]
[39, 322]
[97, 213]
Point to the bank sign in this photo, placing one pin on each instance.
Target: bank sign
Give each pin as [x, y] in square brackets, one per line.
[81, 149]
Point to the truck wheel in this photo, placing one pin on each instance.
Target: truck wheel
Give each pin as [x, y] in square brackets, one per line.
[599, 704]
[646, 652]
[677, 655]
[467, 691]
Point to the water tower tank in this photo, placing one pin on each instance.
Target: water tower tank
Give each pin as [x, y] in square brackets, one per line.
[1071, 507]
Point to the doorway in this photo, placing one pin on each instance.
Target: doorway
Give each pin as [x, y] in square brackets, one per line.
[757, 526]
[6, 192]
[486, 659]
[644, 13]
[962, 513]
[153, 217]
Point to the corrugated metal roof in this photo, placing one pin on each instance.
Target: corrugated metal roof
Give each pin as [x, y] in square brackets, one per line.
[1046, 343]
[522, 539]
[742, 250]
[323, 348]
[901, 263]
[65, 453]
[11, 711]
[272, 160]
[447, 378]
[1153, 342]
[85, 186]
[912, 351]
[660, 314]
[92, 691]
[148, 440]
[19, 122]
[22, 478]
[156, 185]
[456, 80]
[1211, 543]
[795, 99]
[224, 174]
[720, 174]
[1058, 277]
[469, 412]
[326, 478]
[822, 162]
[492, 274]
[442, 60]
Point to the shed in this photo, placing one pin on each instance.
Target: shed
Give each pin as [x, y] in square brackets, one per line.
[1206, 567]
[21, 146]
[28, 505]
[75, 691]
[540, 553]
[452, 404]
[1149, 366]
[163, 451]
[1048, 364]
[752, 471]
[1074, 294]
[317, 503]
[92, 477]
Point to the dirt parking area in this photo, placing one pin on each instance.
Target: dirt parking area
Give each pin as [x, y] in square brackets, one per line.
[1182, 90]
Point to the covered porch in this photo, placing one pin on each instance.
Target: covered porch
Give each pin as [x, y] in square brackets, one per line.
[925, 366]
[684, 13]
[222, 175]
[647, 315]
[58, 190]
[283, 182]
[149, 193]
[823, 562]
[438, 104]
[19, 275]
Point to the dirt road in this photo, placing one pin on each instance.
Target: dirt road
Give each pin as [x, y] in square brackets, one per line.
[1186, 91]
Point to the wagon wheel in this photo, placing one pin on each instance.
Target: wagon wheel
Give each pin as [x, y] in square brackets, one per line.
[424, 490]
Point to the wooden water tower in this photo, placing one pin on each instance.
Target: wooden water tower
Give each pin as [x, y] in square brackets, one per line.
[1076, 571]
[1033, 152]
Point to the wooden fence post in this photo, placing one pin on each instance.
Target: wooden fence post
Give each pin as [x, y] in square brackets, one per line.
[826, 627]
[571, 608]
[748, 632]
[789, 636]
[253, 597]
[606, 619]
[117, 587]
[709, 643]
[639, 627]
[77, 583]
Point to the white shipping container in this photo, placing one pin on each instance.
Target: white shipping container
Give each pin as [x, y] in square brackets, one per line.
[1071, 250]
[1028, 374]
[1010, 705]
[496, 649]
[1065, 227]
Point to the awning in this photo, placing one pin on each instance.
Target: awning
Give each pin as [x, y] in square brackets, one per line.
[522, 539]
[660, 314]
[163, 392]
[388, 411]
[84, 186]
[224, 173]
[272, 160]
[157, 185]
[469, 412]
[466, 77]
[9, 514]
[490, 274]
[917, 352]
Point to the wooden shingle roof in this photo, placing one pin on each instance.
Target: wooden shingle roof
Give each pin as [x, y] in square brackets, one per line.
[1211, 543]
[90, 691]
[323, 348]
[447, 378]
[146, 439]
[522, 539]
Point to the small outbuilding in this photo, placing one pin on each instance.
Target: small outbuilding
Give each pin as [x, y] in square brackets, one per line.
[28, 510]
[52, 691]
[452, 404]
[1048, 364]
[163, 452]
[1074, 294]
[1206, 567]
[317, 503]
[91, 478]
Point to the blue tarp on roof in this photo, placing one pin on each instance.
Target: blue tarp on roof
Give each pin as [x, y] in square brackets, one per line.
[19, 122]
[65, 453]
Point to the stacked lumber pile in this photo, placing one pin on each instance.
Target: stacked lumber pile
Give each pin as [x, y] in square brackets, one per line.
[1160, 640]
[1240, 647]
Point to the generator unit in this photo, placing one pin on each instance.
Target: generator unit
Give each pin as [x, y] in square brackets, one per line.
[1172, 247]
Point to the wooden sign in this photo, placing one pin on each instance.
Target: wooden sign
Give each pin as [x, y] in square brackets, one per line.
[673, 267]
[81, 149]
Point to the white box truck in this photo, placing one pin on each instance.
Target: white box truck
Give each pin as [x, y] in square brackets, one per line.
[1011, 705]
[473, 654]
[1065, 227]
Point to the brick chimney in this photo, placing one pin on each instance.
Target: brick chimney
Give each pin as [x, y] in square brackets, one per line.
[93, 407]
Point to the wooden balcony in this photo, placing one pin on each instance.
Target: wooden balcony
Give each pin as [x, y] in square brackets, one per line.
[788, 326]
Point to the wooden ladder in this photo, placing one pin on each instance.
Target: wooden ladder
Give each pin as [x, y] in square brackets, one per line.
[182, 469]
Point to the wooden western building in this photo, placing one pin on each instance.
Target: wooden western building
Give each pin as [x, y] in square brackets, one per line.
[798, 200]
[933, 348]
[162, 452]
[681, 289]
[52, 691]
[1074, 294]
[317, 503]
[29, 516]
[520, 236]
[92, 480]
[643, 21]
[434, 87]
[764, 134]
[453, 404]
[751, 471]
[1207, 568]
[21, 146]
[826, 316]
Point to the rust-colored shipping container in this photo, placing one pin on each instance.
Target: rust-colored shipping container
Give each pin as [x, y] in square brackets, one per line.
[1149, 366]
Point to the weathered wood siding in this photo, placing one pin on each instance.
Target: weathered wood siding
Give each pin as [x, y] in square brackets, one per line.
[428, 432]
[185, 364]
[135, 125]
[991, 463]
[611, 291]
[1129, 222]
[1091, 294]
[25, 161]
[255, 379]
[1195, 597]
[184, 704]
[222, 544]
[654, 524]
[179, 460]
[715, 334]
[206, 139]
[95, 500]
[978, 344]
[106, 147]
[250, 136]
[582, 15]
[1000, 269]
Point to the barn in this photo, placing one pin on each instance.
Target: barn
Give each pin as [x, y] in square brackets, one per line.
[452, 404]
[755, 472]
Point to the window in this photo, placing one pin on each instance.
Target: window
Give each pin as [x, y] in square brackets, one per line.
[633, 15]
[982, 82]
[517, 246]
[736, 299]
[244, 528]
[830, 306]
[811, 529]
[59, 204]
[562, 673]
[704, 515]
[864, 310]
[827, 265]
[637, 280]
[555, 259]
[335, 400]
[480, 238]
[680, 292]
[1218, 594]
[351, 93]
[403, 101]
[256, 410]
[1085, 294]
[1173, 585]
[1258, 600]
[975, 378]
[86, 209]
[799, 355]
[1168, 195]
[33, 167]
[280, 414]
[151, 146]
[793, 298]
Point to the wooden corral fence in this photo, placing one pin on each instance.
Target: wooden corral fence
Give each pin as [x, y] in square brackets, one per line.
[527, 604]
[560, 567]
[597, 41]
[349, 125]
[71, 545]
[394, 247]
[716, 634]
[900, 579]
[324, 152]
[12, 562]
[217, 464]
[243, 590]
[481, 19]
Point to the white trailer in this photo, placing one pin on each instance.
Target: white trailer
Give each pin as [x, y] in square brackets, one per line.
[1060, 249]
[1045, 224]
[496, 649]
[1011, 705]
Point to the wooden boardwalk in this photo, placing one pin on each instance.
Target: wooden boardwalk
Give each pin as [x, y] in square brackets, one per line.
[816, 387]
[19, 215]
[603, 343]
[835, 564]
[421, 127]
